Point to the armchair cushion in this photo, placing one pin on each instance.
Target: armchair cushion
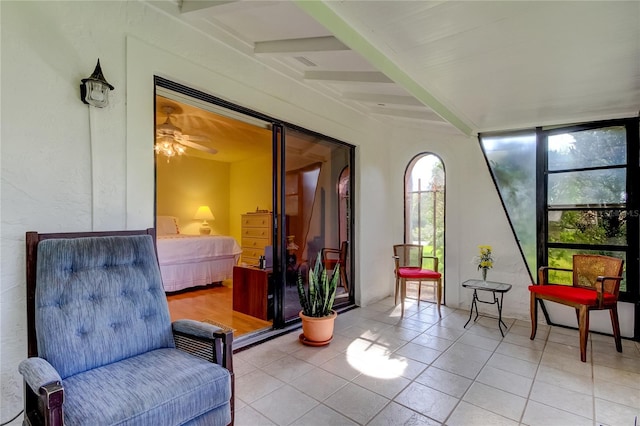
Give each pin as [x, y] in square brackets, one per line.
[103, 302]
[417, 273]
[164, 386]
[579, 295]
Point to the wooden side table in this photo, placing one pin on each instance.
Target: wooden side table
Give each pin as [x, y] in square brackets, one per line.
[252, 292]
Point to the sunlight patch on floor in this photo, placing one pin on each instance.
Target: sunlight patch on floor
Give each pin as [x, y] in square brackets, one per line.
[375, 360]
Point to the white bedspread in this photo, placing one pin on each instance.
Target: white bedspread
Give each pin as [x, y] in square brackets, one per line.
[195, 260]
[180, 248]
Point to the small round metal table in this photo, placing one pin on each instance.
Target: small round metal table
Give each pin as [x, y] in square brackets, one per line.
[493, 287]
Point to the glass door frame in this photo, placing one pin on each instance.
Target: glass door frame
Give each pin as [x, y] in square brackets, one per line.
[278, 129]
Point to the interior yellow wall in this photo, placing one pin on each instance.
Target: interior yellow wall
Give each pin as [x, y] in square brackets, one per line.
[186, 183]
[251, 181]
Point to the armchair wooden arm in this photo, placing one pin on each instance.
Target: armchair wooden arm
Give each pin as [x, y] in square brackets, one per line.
[601, 287]
[543, 274]
[434, 259]
[45, 407]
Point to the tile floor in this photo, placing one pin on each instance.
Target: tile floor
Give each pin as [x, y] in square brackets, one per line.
[422, 370]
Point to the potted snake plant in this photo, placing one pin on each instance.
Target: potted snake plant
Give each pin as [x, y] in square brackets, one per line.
[317, 312]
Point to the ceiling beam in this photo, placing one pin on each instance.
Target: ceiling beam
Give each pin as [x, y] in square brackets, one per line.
[348, 76]
[299, 46]
[378, 99]
[425, 115]
[324, 14]
[187, 6]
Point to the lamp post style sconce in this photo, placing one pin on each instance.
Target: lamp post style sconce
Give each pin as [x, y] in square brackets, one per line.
[94, 89]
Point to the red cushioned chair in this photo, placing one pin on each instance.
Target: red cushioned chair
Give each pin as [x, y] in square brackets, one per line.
[596, 283]
[409, 260]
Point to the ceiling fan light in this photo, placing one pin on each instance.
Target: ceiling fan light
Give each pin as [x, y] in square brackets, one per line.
[168, 148]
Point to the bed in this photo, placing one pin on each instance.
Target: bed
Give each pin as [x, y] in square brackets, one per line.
[193, 260]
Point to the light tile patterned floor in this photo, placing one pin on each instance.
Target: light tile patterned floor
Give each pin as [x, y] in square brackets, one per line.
[422, 370]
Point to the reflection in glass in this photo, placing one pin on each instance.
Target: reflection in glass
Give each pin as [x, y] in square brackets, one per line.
[588, 148]
[512, 159]
[313, 207]
[591, 187]
[588, 227]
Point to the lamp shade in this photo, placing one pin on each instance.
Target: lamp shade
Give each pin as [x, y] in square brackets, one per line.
[204, 213]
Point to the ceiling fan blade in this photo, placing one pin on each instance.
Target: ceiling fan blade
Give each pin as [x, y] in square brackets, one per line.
[195, 138]
[197, 146]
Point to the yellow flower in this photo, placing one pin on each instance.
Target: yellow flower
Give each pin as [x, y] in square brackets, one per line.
[485, 260]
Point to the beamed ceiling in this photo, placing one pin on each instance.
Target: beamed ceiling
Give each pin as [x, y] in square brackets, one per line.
[460, 66]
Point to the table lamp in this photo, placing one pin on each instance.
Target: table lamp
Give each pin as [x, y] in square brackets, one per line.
[204, 213]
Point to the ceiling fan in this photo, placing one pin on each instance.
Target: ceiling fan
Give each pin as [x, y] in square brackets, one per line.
[170, 141]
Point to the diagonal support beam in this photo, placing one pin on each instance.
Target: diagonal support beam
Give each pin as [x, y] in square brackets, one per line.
[348, 76]
[426, 115]
[299, 46]
[324, 14]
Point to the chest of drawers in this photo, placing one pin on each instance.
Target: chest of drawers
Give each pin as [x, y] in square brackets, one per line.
[256, 235]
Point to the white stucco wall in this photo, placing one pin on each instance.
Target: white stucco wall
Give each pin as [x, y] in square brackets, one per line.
[473, 216]
[66, 167]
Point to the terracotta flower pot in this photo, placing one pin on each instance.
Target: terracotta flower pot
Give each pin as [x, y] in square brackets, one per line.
[317, 330]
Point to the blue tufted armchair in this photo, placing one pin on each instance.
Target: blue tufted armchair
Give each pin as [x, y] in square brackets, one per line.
[102, 348]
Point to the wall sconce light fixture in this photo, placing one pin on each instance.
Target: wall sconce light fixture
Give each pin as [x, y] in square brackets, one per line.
[94, 89]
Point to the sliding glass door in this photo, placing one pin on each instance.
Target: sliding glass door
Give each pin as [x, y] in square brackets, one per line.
[280, 191]
[316, 208]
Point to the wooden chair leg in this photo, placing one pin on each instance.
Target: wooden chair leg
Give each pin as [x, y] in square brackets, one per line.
[583, 328]
[534, 316]
[613, 312]
[439, 295]
[343, 276]
[395, 299]
[403, 295]
[419, 291]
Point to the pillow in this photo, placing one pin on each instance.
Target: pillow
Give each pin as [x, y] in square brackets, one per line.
[167, 225]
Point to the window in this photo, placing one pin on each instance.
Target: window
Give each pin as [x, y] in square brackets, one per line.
[586, 201]
[424, 205]
[571, 190]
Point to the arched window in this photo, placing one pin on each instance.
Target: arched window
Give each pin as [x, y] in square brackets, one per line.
[424, 205]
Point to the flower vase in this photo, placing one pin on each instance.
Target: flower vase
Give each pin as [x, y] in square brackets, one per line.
[484, 274]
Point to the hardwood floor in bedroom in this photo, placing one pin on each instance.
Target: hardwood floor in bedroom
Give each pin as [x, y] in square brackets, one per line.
[214, 303]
